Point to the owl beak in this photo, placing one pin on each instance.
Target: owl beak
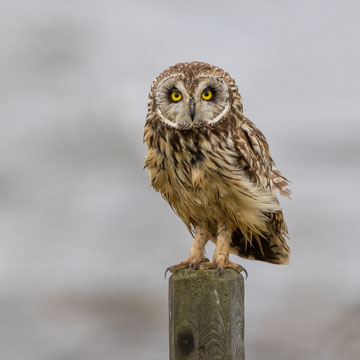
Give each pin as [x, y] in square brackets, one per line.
[192, 108]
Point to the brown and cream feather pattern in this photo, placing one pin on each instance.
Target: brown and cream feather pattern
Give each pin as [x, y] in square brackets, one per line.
[217, 172]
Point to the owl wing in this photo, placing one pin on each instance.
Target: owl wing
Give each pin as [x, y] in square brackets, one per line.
[256, 159]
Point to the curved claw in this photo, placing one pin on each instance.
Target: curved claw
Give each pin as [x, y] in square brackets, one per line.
[193, 266]
[246, 273]
[167, 270]
[219, 270]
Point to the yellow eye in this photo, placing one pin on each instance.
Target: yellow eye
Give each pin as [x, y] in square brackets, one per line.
[176, 95]
[207, 94]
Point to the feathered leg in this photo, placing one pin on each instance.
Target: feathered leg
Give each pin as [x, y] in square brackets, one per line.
[197, 253]
[222, 251]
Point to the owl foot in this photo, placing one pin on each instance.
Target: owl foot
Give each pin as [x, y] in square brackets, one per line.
[225, 265]
[191, 264]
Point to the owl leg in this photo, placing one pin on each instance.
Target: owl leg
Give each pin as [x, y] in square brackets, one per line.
[222, 252]
[196, 256]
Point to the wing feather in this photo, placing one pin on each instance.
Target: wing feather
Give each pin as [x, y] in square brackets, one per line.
[256, 159]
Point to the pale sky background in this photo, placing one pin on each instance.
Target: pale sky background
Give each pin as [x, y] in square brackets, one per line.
[84, 241]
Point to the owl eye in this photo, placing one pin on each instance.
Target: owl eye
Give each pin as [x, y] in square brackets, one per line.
[175, 95]
[207, 95]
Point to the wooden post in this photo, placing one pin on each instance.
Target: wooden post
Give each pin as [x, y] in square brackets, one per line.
[206, 315]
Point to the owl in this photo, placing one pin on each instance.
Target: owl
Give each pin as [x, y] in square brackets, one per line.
[214, 168]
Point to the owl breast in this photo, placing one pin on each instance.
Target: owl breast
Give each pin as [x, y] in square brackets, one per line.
[199, 174]
[184, 182]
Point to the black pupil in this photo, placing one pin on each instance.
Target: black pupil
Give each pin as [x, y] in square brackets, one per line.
[176, 94]
[207, 93]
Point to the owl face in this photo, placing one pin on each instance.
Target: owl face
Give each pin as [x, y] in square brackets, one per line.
[191, 100]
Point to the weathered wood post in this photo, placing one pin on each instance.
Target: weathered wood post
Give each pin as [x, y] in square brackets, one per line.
[206, 315]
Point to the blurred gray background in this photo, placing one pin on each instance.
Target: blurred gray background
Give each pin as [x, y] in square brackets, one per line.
[85, 241]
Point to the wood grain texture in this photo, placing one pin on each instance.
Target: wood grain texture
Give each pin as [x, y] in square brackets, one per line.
[206, 315]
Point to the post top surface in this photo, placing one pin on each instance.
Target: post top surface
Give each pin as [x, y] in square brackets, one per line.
[226, 275]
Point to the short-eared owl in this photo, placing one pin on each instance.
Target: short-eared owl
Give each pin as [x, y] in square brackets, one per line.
[214, 168]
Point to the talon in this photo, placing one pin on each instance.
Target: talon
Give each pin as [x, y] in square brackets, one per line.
[246, 273]
[187, 264]
[219, 270]
[167, 270]
[193, 266]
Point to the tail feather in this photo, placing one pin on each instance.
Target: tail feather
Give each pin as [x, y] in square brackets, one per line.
[271, 247]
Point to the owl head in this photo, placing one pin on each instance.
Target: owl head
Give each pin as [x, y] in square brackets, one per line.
[192, 95]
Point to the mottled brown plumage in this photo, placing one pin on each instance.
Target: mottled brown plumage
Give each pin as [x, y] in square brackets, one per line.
[213, 166]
